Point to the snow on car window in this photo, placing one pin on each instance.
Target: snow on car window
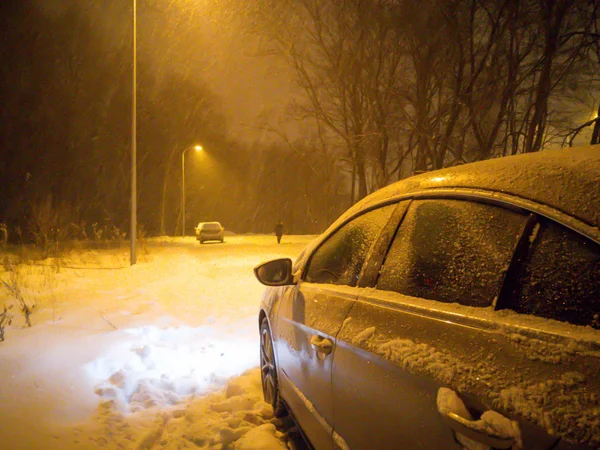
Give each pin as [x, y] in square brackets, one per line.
[452, 251]
[340, 259]
[561, 278]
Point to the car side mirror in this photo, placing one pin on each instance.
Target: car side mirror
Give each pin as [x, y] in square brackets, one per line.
[277, 272]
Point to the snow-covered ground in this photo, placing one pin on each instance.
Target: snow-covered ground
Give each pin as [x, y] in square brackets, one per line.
[162, 354]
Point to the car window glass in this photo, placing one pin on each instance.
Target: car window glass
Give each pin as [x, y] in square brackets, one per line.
[340, 258]
[452, 251]
[561, 277]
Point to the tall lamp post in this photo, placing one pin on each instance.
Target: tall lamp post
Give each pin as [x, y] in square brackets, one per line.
[198, 148]
[133, 232]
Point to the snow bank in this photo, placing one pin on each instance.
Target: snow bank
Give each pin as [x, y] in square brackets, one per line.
[141, 357]
[235, 417]
[152, 366]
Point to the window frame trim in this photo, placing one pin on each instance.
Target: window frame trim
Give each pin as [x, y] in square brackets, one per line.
[325, 238]
[509, 201]
[372, 266]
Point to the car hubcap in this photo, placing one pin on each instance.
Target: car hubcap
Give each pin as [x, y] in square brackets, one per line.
[267, 366]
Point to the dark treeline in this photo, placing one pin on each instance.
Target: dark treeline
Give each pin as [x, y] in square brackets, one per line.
[65, 141]
[387, 87]
[402, 85]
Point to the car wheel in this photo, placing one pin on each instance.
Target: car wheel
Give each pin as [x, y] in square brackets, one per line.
[268, 371]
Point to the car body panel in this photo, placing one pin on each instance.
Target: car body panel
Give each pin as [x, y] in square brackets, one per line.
[391, 358]
[306, 311]
[393, 352]
[397, 405]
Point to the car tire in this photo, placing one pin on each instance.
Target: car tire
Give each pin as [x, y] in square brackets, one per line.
[268, 371]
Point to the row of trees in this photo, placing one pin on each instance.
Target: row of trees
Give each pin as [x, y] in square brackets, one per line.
[66, 131]
[387, 87]
[396, 86]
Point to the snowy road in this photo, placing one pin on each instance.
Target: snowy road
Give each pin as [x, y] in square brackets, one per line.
[147, 356]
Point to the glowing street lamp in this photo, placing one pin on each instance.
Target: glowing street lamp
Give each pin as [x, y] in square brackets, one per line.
[198, 148]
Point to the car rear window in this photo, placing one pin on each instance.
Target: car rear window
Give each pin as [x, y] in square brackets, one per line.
[452, 251]
[211, 227]
[560, 278]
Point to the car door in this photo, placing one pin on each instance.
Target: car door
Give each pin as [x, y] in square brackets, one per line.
[555, 289]
[310, 316]
[426, 342]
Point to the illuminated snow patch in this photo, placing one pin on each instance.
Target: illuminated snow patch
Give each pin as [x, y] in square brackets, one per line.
[152, 366]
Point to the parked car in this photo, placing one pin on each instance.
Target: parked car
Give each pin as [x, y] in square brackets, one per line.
[210, 231]
[455, 309]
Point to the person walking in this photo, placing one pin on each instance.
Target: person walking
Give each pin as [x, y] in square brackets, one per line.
[279, 230]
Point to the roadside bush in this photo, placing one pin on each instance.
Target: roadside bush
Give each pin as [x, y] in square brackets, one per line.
[5, 319]
[49, 225]
[13, 286]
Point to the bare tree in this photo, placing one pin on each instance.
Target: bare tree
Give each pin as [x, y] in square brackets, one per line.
[346, 56]
[400, 85]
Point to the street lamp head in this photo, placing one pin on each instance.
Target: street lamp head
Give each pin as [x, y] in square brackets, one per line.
[198, 148]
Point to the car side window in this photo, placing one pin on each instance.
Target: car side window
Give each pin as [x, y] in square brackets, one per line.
[453, 251]
[340, 258]
[560, 278]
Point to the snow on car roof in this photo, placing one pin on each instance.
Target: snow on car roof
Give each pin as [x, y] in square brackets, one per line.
[567, 180]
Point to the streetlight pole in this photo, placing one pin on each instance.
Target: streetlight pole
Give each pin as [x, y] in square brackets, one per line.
[133, 232]
[197, 148]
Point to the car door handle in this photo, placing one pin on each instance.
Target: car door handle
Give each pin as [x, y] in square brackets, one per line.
[473, 430]
[491, 429]
[321, 344]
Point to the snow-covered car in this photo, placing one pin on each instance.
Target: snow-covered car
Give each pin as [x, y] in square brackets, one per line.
[455, 309]
[210, 231]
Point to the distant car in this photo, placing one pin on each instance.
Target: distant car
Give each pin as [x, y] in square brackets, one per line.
[210, 231]
[455, 309]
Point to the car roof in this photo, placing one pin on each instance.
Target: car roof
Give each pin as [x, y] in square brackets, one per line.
[567, 180]
[209, 223]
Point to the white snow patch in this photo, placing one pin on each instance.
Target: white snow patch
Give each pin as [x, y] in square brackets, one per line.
[534, 233]
[139, 357]
[151, 366]
[448, 401]
[259, 438]
[420, 358]
[545, 350]
[236, 417]
[366, 334]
